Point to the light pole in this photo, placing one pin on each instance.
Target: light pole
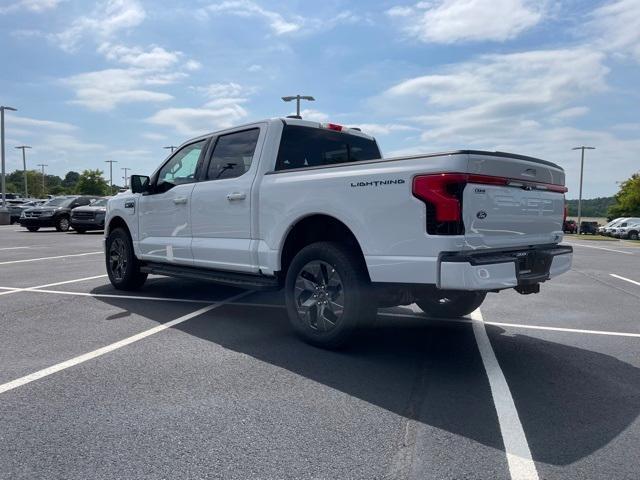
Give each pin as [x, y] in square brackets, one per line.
[44, 191]
[126, 169]
[111, 162]
[5, 218]
[583, 148]
[24, 169]
[170, 147]
[297, 98]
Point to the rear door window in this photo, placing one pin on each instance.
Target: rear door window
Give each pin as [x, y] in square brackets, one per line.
[313, 147]
[233, 154]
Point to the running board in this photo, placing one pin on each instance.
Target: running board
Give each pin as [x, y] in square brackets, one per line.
[241, 280]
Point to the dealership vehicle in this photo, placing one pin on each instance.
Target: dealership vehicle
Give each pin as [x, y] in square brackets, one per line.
[628, 230]
[56, 212]
[314, 209]
[590, 228]
[89, 217]
[603, 228]
[623, 222]
[569, 226]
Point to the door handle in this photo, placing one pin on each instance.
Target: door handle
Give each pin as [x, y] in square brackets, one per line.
[180, 201]
[236, 196]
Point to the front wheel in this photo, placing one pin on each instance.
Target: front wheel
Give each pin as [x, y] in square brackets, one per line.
[450, 303]
[79, 230]
[62, 224]
[123, 267]
[33, 229]
[328, 294]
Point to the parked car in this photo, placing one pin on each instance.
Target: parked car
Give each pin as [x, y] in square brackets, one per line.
[629, 231]
[56, 212]
[569, 226]
[314, 209]
[611, 231]
[15, 209]
[611, 226]
[588, 228]
[89, 217]
[602, 228]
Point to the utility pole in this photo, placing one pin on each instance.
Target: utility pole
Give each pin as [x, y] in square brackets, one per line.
[111, 162]
[583, 148]
[5, 217]
[126, 169]
[44, 191]
[24, 169]
[170, 147]
[297, 98]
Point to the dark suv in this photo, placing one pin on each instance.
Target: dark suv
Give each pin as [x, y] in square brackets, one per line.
[54, 213]
[90, 217]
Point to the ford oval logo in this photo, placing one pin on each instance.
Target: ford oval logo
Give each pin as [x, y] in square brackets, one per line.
[481, 214]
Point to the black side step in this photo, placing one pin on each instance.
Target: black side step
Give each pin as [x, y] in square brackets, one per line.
[234, 279]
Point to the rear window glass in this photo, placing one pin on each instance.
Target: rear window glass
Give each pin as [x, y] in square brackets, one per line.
[313, 147]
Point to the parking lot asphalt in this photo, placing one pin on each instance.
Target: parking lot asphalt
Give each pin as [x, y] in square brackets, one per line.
[192, 380]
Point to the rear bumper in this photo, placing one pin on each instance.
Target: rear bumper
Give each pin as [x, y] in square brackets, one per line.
[504, 269]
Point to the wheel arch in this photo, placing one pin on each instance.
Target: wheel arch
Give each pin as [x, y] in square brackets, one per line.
[313, 228]
[117, 222]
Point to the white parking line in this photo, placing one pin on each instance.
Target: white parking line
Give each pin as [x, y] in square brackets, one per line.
[521, 465]
[13, 248]
[126, 297]
[620, 277]
[5, 387]
[16, 290]
[600, 248]
[51, 258]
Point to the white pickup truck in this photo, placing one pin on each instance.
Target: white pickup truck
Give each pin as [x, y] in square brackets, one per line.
[315, 209]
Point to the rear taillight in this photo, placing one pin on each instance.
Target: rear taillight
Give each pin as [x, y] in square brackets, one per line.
[333, 126]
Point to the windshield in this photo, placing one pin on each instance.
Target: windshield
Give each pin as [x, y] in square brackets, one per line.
[58, 202]
[101, 202]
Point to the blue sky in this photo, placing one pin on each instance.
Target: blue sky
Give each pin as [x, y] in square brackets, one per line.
[120, 79]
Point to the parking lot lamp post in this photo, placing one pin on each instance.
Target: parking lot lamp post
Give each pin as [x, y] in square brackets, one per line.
[110, 162]
[583, 148]
[297, 98]
[42, 165]
[5, 218]
[126, 169]
[170, 147]
[24, 169]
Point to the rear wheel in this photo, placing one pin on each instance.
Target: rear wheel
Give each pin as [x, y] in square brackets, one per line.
[123, 267]
[80, 230]
[328, 294]
[633, 236]
[33, 229]
[62, 224]
[450, 303]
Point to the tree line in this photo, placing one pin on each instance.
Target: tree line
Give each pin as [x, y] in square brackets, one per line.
[625, 203]
[89, 182]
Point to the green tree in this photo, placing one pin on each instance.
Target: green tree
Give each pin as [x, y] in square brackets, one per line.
[15, 183]
[627, 199]
[91, 182]
[70, 180]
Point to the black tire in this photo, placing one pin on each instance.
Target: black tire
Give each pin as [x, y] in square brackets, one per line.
[33, 229]
[633, 236]
[62, 223]
[123, 267]
[450, 303]
[79, 230]
[342, 301]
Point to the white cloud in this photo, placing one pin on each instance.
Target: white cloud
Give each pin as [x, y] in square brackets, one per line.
[153, 136]
[37, 6]
[381, 129]
[313, 115]
[453, 21]
[156, 58]
[198, 121]
[219, 90]
[246, 8]
[105, 89]
[110, 18]
[42, 124]
[616, 26]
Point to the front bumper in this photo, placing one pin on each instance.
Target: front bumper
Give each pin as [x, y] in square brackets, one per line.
[497, 270]
[88, 223]
[37, 222]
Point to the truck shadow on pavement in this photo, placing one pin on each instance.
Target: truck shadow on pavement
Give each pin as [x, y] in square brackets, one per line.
[571, 401]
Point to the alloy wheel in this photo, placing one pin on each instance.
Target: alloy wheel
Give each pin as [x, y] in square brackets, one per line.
[319, 296]
[118, 258]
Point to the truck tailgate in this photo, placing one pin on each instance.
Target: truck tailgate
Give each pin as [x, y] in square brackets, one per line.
[527, 210]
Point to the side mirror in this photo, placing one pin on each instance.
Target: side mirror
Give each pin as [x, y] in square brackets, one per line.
[139, 183]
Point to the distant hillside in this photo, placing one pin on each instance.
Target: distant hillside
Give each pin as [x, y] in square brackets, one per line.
[593, 207]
